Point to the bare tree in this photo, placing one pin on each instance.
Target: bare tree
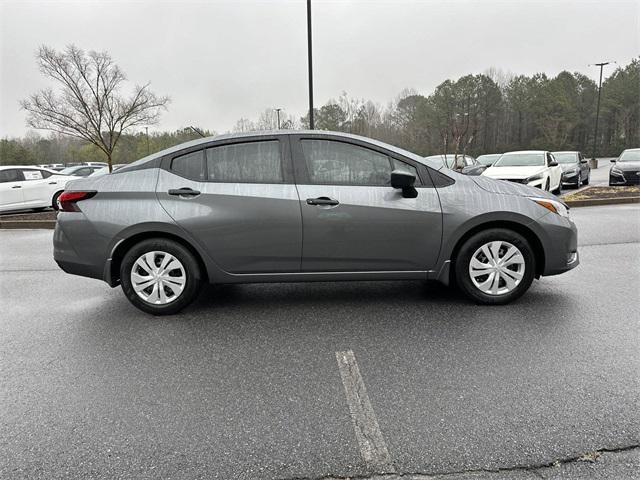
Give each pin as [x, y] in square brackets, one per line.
[89, 103]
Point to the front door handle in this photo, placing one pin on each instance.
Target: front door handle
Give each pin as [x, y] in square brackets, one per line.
[53, 183]
[184, 192]
[16, 186]
[322, 201]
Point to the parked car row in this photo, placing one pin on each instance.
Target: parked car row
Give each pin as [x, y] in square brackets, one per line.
[32, 187]
[548, 171]
[61, 166]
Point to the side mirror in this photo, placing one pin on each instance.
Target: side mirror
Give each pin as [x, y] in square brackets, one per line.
[583, 161]
[553, 164]
[613, 160]
[404, 180]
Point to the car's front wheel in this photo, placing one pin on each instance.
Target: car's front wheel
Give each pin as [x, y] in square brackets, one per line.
[54, 200]
[160, 276]
[495, 266]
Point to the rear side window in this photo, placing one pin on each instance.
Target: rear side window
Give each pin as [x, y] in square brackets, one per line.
[11, 175]
[251, 162]
[339, 163]
[190, 165]
[45, 174]
[32, 174]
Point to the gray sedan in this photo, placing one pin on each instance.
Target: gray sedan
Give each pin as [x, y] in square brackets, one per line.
[305, 206]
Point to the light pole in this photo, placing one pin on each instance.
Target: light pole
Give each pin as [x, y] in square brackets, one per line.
[595, 132]
[278, 113]
[311, 126]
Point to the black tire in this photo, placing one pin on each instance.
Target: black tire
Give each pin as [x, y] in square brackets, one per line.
[181, 253]
[54, 200]
[464, 256]
[586, 182]
[39, 209]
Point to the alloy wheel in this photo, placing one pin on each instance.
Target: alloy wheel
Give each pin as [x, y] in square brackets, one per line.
[158, 277]
[497, 267]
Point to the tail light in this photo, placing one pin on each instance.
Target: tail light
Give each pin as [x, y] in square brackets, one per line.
[67, 200]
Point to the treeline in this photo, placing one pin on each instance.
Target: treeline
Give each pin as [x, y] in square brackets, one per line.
[486, 113]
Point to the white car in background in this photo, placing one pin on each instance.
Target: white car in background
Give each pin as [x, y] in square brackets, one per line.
[536, 168]
[30, 187]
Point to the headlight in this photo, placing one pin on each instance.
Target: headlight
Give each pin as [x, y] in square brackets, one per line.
[540, 176]
[553, 206]
[616, 170]
[573, 171]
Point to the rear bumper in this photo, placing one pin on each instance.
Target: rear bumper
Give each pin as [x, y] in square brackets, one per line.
[67, 257]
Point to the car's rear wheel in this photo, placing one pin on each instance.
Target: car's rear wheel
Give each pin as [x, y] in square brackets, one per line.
[54, 200]
[495, 266]
[160, 276]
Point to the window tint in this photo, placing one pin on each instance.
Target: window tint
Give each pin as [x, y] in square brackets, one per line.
[339, 163]
[190, 165]
[251, 162]
[398, 165]
[10, 176]
[45, 174]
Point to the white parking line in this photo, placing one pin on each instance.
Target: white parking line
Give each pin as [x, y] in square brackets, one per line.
[372, 446]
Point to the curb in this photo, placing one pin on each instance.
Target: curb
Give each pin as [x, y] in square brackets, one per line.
[29, 224]
[592, 202]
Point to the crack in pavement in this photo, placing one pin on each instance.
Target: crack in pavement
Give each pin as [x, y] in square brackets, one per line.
[587, 457]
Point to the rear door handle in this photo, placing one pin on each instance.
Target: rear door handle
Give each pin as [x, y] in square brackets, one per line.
[322, 201]
[16, 186]
[53, 183]
[184, 192]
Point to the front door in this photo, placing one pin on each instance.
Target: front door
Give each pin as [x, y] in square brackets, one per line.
[353, 220]
[239, 201]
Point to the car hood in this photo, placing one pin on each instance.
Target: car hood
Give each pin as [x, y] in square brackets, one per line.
[626, 166]
[513, 172]
[509, 188]
[568, 166]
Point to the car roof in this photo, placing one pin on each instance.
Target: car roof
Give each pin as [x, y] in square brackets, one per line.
[37, 167]
[566, 151]
[527, 151]
[249, 135]
[630, 149]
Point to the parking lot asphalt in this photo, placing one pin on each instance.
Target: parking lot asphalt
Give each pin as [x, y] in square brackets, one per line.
[245, 384]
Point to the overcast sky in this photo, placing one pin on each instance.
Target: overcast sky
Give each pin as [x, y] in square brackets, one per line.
[222, 60]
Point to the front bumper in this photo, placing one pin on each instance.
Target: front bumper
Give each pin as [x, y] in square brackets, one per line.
[624, 178]
[570, 178]
[559, 237]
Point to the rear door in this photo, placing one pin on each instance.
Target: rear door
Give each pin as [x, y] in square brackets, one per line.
[11, 196]
[35, 188]
[238, 200]
[353, 220]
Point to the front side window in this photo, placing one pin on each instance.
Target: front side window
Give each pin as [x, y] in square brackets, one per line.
[250, 162]
[190, 165]
[10, 175]
[339, 163]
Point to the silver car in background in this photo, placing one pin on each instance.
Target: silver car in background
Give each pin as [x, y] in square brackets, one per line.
[297, 206]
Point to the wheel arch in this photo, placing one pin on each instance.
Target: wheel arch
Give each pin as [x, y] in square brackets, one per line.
[522, 229]
[112, 267]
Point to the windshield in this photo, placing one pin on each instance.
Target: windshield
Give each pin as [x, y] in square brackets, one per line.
[439, 160]
[630, 156]
[68, 170]
[521, 160]
[488, 159]
[565, 157]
